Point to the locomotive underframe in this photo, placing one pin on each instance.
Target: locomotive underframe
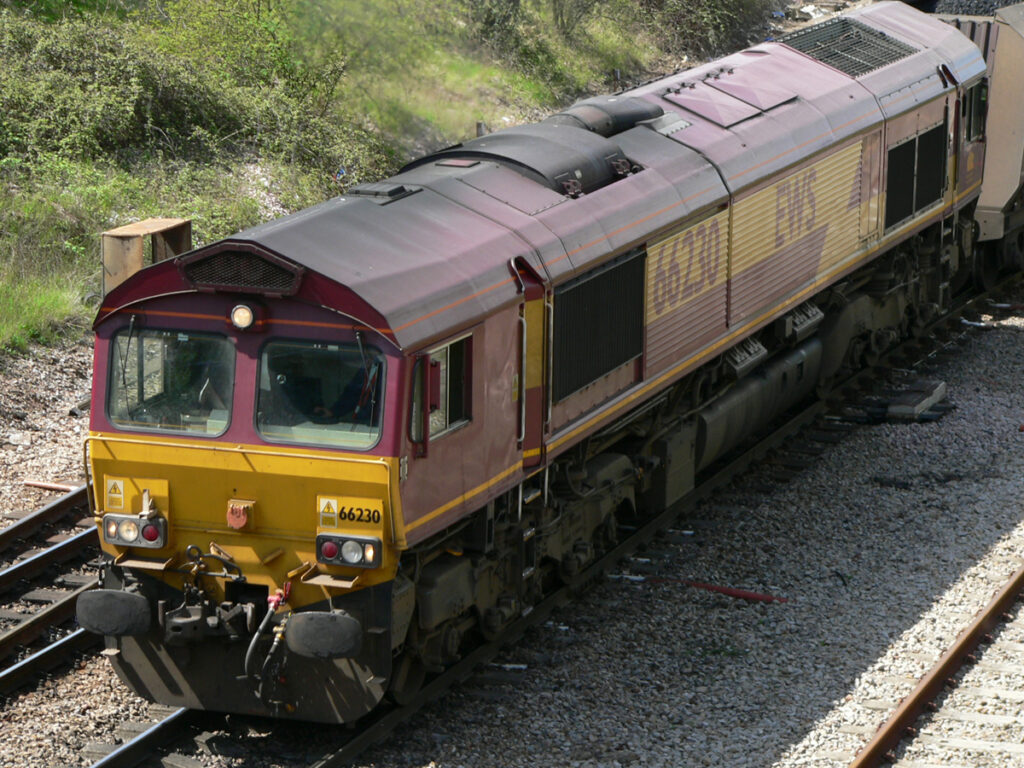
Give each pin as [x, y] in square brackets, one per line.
[195, 654]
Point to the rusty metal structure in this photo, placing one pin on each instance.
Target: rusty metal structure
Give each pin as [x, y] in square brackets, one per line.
[123, 249]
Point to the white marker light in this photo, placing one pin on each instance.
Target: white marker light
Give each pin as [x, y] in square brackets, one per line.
[128, 530]
[242, 317]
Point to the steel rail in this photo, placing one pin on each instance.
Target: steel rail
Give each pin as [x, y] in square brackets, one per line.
[133, 752]
[33, 566]
[18, 674]
[55, 510]
[896, 728]
[33, 626]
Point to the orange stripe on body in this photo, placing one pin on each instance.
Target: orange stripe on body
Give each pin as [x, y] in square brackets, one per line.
[271, 321]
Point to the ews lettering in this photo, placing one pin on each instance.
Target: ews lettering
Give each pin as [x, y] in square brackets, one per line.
[685, 265]
[794, 207]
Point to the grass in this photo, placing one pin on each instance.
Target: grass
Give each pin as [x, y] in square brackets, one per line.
[53, 210]
[425, 73]
[39, 310]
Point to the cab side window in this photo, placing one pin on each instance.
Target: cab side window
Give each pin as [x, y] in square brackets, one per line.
[441, 385]
[449, 386]
[975, 108]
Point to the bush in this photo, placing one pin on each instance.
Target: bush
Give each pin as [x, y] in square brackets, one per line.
[704, 28]
[211, 80]
[162, 111]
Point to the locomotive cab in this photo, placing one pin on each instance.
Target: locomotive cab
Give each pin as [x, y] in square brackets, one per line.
[242, 456]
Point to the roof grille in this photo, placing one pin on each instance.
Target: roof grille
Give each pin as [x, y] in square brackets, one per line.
[848, 45]
[242, 272]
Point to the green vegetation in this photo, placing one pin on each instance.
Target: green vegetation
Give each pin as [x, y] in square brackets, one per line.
[230, 111]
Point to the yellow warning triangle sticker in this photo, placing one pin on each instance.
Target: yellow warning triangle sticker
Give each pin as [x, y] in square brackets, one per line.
[114, 488]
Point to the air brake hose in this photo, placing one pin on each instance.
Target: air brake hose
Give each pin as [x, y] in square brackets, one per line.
[272, 603]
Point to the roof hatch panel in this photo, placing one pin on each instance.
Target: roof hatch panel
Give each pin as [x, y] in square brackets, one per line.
[711, 104]
[747, 87]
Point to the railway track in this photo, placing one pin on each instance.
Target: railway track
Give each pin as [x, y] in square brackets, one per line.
[938, 722]
[142, 742]
[44, 573]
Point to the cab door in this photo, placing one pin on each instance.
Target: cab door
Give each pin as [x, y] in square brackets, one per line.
[972, 110]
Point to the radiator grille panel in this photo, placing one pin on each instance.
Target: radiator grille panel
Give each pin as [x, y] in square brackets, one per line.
[848, 45]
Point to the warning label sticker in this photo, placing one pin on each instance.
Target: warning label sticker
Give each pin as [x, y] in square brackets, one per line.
[115, 494]
[328, 511]
[347, 512]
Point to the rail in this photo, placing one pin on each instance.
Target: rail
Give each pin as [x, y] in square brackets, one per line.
[896, 728]
[52, 512]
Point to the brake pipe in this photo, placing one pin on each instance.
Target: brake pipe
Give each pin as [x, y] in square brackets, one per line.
[273, 601]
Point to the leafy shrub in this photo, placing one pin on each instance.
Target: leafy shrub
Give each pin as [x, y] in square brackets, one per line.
[212, 80]
[704, 27]
[159, 110]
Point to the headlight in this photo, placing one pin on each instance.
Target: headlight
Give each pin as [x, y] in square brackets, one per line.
[352, 552]
[242, 317]
[128, 530]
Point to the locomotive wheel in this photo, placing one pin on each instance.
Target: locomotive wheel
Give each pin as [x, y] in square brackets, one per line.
[407, 676]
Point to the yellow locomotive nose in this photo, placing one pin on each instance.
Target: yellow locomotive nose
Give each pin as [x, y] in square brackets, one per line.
[232, 557]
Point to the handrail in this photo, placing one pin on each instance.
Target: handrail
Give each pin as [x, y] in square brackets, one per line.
[522, 382]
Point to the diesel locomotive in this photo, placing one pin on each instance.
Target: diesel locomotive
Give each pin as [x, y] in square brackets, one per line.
[328, 453]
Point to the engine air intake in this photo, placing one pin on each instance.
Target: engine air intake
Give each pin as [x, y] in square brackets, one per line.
[848, 45]
[242, 271]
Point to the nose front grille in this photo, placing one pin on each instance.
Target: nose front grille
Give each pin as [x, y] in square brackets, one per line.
[240, 271]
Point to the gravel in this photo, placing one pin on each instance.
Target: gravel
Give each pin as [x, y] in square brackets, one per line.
[40, 439]
[968, 7]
